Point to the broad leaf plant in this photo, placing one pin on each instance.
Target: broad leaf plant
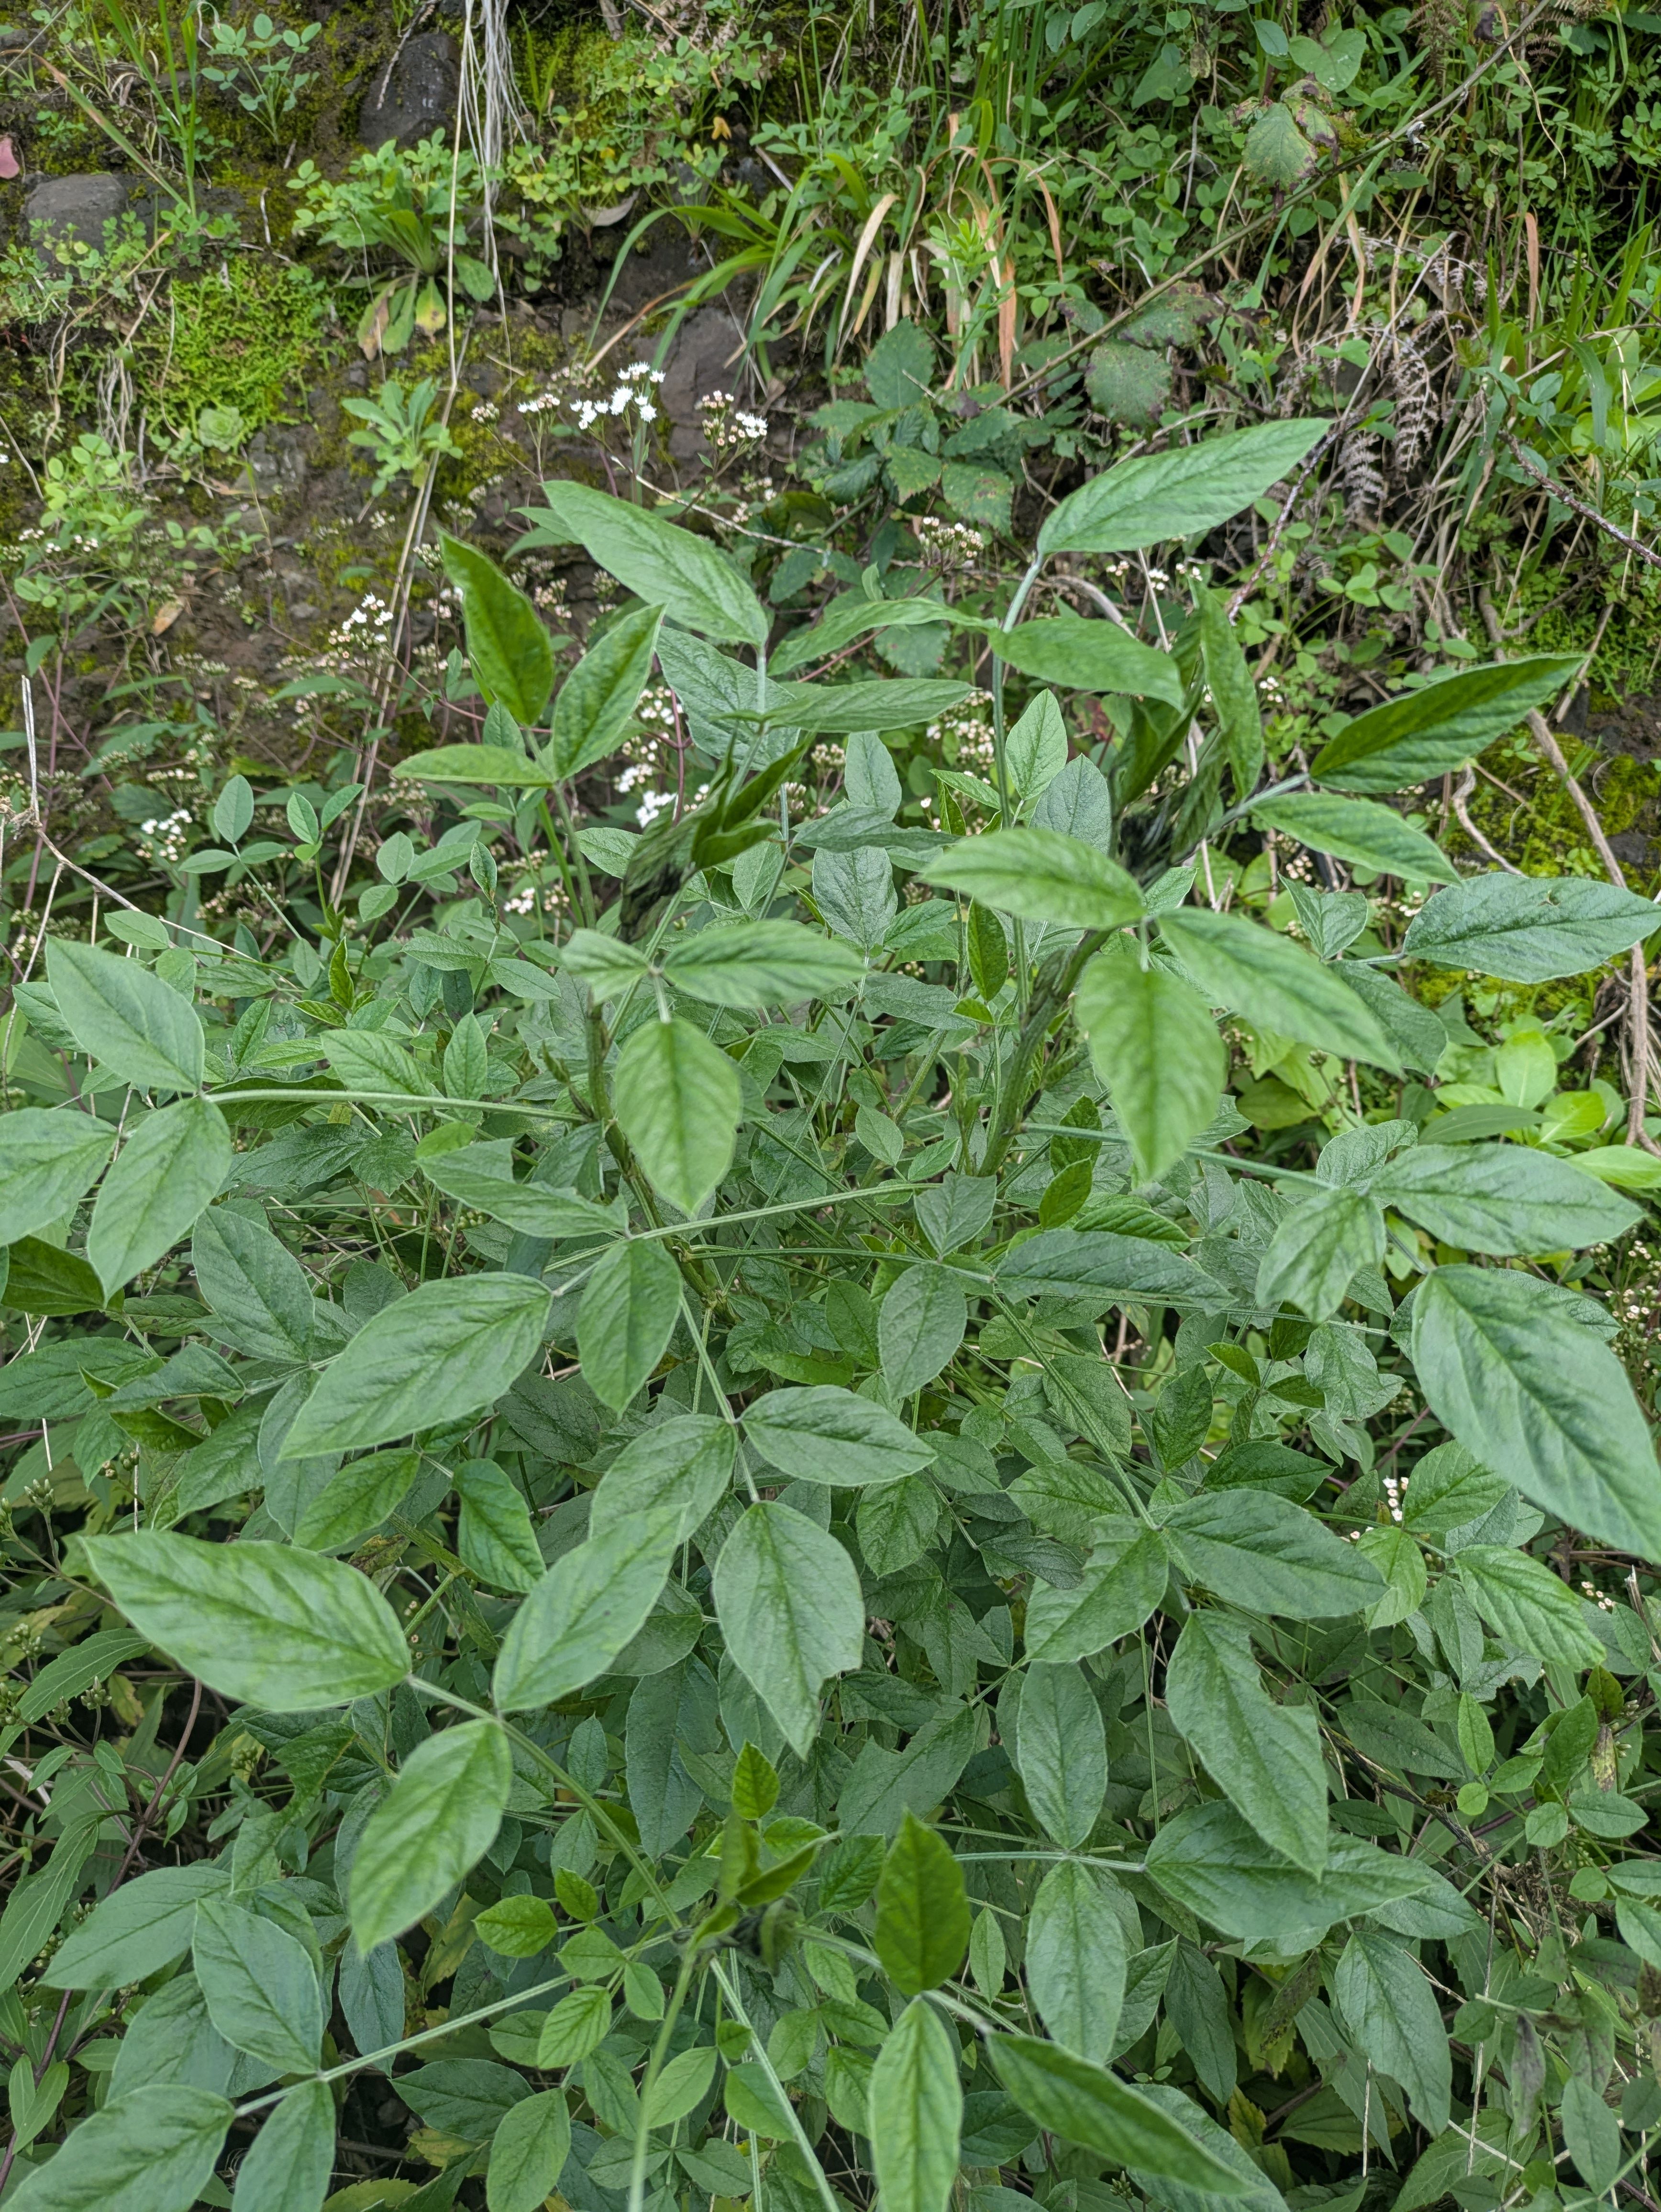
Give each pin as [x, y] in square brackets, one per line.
[780, 1572]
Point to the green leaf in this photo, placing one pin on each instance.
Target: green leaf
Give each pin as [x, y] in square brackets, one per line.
[37, 1277]
[1314, 1254]
[586, 1608]
[792, 1613]
[528, 2152]
[362, 1495]
[1273, 984]
[1075, 1960]
[630, 1307]
[1177, 494]
[535, 1207]
[153, 2150]
[1266, 1758]
[1079, 655]
[1211, 1860]
[167, 1172]
[290, 2162]
[49, 1160]
[1357, 830]
[755, 1783]
[1276, 152]
[1124, 1578]
[843, 710]
[1035, 750]
[122, 1015]
[272, 1626]
[494, 1534]
[1085, 2104]
[683, 1465]
[917, 2111]
[518, 1926]
[261, 1299]
[1155, 1045]
[1421, 735]
[1502, 1198]
[490, 765]
[827, 1434]
[1415, 1031]
[1041, 875]
[1526, 1387]
[260, 1986]
[1233, 692]
[93, 1660]
[438, 1821]
[920, 1326]
[137, 1930]
[847, 618]
[1129, 383]
[449, 1349]
[762, 963]
[677, 1102]
[595, 708]
[923, 1911]
[1591, 2133]
[1099, 1264]
[1391, 2010]
[1061, 1752]
[508, 649]
[659, 563]
[577, 2025]
[1528, 929]
[1265, 1553]
[1533, 1610]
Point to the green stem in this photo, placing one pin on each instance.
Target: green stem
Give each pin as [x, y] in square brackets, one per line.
[653, 2068]
[827, 2195]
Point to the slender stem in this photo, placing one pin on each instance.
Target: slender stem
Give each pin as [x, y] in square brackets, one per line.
[827, 2195]
[653, 2068]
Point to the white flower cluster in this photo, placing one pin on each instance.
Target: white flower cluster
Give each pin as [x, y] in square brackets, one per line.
[944, 545]
[1395, 1491]
[372, 616]
[486, 410]
[165, 834]
[965, 736]
[634, 388]
[1600, 1598]
[728, 426]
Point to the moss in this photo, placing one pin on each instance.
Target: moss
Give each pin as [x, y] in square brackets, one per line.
[245, 337]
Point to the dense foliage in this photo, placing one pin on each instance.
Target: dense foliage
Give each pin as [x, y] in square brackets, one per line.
[712, 1532]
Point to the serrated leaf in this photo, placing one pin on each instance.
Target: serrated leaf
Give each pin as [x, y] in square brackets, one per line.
[1157, 1047]
[426, 1835]
[792, 1613]
[49, 1159]
[1525, 1387]
[1277, 986]
[1428, 732]
[1266, 1757]
[272, 1626]
[121, 1014]
[677, 1102]
[916, 2105]
[585, 1610]
[448, 1350]
[1043, 876]
[1077, 654]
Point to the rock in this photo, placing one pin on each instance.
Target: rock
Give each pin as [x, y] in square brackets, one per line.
[703, 359]
[415, 93]
[64, 210]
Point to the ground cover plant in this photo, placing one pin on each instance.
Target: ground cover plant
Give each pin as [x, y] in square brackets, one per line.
[827, 1288]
